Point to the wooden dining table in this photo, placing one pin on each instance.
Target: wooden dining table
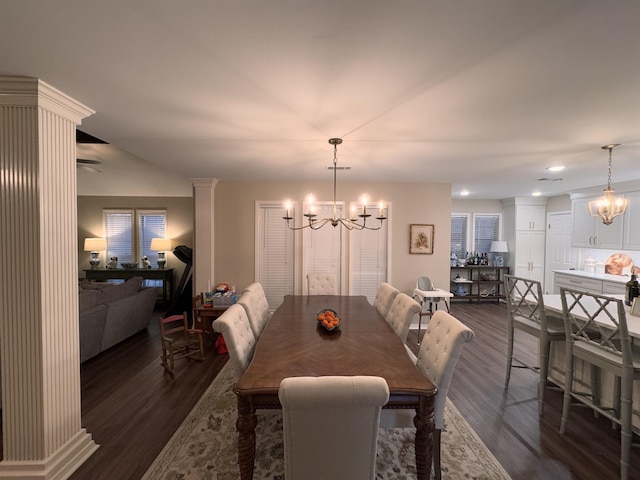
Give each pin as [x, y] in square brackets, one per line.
[293, 344]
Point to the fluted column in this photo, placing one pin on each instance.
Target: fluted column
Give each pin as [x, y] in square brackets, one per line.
[203, 264]
[39, 343]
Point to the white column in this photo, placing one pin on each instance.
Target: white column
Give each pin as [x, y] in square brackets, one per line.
[39, 347]
[203, 261]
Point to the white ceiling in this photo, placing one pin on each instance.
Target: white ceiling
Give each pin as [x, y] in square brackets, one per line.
[484, 94]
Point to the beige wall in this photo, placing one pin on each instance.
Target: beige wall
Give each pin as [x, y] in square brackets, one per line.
[235, 204]
[561, 203]
[476, 206]
[179, 223]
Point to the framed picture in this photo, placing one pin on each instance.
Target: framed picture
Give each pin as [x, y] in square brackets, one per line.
[635, 307]
[421, 238]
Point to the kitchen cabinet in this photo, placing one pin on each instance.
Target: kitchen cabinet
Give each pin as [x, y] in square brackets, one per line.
[631, 223]
[529, 255]
[524, 222]
[601, 284]
[478, 282]
[590, 232]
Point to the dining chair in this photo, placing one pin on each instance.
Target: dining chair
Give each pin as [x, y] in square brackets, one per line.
[606, 347]
[322, 284]
[401, 313]
[256, 287]
[441, 347]
[235, 328]
[177, 341]
[331, 426]
[384, 298]
[526, 313]
[257, 310]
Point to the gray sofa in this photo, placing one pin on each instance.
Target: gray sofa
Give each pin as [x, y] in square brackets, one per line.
[111, 313]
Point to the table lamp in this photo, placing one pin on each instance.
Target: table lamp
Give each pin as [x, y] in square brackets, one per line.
[94, 245]
[498, 247]
[161, 245]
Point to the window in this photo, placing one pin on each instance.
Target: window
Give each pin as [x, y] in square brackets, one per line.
[274, 253]
[322, 249]
[129, 233]
[459, 244]
[486, 229]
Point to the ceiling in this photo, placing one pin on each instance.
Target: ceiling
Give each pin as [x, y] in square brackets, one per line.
[482, 94]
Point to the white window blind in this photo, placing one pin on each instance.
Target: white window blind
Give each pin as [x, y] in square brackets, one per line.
[369, 250]
[151, 224]
[459, 235]
[486, 229]
[275, 253]
[322, 249]
[118, 227]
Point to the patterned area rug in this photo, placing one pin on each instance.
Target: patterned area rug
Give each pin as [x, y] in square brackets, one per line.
[204, 447]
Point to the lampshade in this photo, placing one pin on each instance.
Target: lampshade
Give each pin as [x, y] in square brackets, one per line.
[95, 244]
[160, 244]
[499, 246]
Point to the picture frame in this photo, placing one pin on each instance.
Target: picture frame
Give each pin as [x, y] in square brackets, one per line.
[421, 237]
[635, 307]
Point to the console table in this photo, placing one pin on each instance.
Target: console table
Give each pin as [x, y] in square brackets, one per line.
[164, 274]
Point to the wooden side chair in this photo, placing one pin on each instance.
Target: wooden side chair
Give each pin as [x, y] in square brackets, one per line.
[526, 312]
[331, 425]
[179, 341]
[597, 334]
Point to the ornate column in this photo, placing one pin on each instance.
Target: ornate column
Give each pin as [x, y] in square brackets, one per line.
[39, 346]
[203, 264]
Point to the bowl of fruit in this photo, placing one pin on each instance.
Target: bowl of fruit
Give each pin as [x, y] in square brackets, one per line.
[328, 319]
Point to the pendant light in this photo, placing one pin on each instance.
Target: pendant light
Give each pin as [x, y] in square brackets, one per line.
[609, 206]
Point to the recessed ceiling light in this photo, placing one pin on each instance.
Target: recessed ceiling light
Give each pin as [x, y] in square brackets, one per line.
[536, 194]
[556, 168]
[464, 193]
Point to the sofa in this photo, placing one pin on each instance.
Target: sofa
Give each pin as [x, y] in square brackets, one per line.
[111, 313]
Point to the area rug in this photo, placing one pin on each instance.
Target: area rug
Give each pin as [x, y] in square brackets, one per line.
[204, 446]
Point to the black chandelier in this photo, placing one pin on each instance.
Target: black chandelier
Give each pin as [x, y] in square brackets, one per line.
[357, 221]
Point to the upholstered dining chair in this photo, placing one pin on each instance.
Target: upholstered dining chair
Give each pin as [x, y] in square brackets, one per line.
[179, 341]
[234, 326]
[607, 348]
[257, 288]
[322, 284]
[257, 310]
[331, 426]
[526, 312]
[385, 296]
[437, 358]
[402, 311]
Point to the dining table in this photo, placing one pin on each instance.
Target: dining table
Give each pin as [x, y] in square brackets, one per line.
[294, 344]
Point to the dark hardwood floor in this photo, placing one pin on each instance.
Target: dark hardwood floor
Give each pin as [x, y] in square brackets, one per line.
[132, 407]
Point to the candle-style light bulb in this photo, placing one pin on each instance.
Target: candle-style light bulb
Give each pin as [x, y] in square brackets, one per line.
[381, 208]
[287, 206]
[310, 206]
[364, 200]
[353, 212]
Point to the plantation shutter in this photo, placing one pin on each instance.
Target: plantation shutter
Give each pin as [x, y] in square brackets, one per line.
[275, 254]
[459, 235]
[118, 227]
[151, 224]
[487, 229]
[368, 256]
[322, 249]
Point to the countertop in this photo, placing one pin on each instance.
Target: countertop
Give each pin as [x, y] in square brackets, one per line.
[598, 276]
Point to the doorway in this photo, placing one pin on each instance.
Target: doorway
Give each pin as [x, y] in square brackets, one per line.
[560, 255]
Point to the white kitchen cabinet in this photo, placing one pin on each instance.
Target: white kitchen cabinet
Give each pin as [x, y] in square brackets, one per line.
[524, 227]
[631, 222]
[531, 217]
[590, 282]
[529, 255]
[590, 232]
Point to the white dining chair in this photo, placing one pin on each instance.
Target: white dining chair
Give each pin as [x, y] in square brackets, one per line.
[322, 284]
[385, 296]
[401, 313]
[526, 312]
[257, 310]
[441, 347]
[607, 348]
[235, 328]
[331, 426]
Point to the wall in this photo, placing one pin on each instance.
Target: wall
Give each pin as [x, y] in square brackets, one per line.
[235, 204]
[476, 206]
[560, 203]
[179, 223]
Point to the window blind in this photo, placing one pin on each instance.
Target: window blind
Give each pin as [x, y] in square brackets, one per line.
[322, 249]
[118, 227]
[459, 235]
[486, 229]
[151, 224]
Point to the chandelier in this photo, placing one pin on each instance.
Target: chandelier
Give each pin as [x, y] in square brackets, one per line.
[356, 221]
[608, 206]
